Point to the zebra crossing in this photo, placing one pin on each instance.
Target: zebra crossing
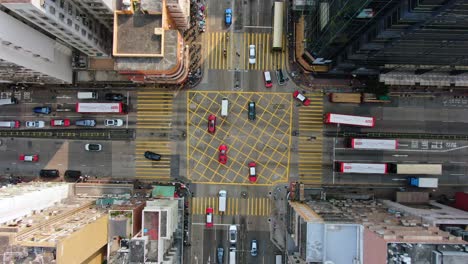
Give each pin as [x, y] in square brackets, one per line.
[311, 140]
[154, 117]
[236, 46]
[253, 206]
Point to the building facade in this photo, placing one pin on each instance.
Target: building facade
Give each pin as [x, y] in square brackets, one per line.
[70, 21]
[371, 37]
[28, 56]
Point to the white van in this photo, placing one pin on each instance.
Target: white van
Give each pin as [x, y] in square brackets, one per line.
[224, 107]
[222, 201]
[10, 124]
[8, 101]
[87, 95]
[278, 259]
[267, 78]
[232, 255]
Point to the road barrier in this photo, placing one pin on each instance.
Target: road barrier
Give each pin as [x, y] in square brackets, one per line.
[103, 134]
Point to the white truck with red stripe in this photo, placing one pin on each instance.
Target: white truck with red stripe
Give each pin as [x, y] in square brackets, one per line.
[377, 144]
[101, 108]
[372, 168]
[351, 120]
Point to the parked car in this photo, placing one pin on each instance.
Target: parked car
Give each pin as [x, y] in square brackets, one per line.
[152, 156]
[299, 96]
[35, 124]
[252, 57]
[220, 254]
[212, 124]
[42, 110]
[209, 217]
[223, 154]
[49, 173]
[60, 122]
[72, 175]
[232, 234]
[86, 122]
[30, 158]
[93, 147]
[280, 77]
[253, 248]
[113, 122]
[114, 97]
[228, 17]
[252, 172]
[251, 110]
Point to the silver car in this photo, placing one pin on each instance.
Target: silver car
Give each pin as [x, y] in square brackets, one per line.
[252, 57]
[113, 122]
[35, 124]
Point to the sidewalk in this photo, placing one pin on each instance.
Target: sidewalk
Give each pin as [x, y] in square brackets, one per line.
[279, 235]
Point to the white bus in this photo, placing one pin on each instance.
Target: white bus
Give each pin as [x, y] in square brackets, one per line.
[377, 144]
[351, 120]
[430, 169]
[278, 14]
[371, 168]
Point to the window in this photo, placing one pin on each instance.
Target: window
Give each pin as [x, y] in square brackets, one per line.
[69, 22]
[62, 4]
[52, 9]
[61, 16]
[77, 28]
[83, 32]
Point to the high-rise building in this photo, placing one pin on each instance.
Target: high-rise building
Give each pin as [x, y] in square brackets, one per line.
[83, 25]
[369, 37]
[28, 56]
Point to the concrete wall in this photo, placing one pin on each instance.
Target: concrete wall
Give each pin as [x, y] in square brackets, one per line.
[84, 245]
[375, 248]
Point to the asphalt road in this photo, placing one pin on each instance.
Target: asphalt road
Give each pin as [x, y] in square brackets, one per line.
[434, 115]
[116, 158]
[451, 154]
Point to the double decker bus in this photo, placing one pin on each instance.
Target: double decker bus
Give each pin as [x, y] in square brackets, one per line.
[372, 168]
[278, 14]
[101, 108]
[351, 120]
[375, 144]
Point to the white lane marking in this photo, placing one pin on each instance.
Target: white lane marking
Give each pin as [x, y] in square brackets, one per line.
[457, 174]
[403, 145]
[461, 162]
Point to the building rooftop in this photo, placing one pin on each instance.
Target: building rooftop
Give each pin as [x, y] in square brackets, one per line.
[139, 35]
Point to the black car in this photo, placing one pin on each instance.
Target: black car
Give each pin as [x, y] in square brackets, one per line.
[49, 173]
[72, 175]
[152, 156]
[251, 110]
[114, 97]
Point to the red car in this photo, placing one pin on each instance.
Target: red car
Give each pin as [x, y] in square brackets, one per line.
[209, 217]
[252, 172]
[299, 96]
[30, 158]
[223, 154]
[60, 122]
[212, 124]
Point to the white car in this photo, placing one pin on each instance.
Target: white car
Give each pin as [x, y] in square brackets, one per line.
[232, 234]
[113, 122]
[252, 54]
[35, 124]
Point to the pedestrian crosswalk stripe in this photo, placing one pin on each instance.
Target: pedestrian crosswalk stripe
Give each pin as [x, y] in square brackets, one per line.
[237, 51]
[254, 206]
[154, 112]
[310, 141]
